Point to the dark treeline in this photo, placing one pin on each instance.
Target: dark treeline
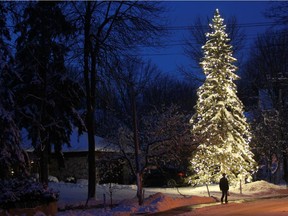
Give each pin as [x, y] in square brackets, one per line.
[263, 89]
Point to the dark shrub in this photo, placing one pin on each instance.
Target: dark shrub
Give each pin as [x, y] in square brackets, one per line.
[24, 193]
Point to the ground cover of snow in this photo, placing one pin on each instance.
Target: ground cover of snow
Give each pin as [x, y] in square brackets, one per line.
[73, 198]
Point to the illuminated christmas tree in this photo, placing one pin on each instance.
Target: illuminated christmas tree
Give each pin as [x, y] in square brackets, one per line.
[219, 123]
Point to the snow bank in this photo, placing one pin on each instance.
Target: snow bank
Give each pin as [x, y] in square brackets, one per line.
[161, 202]
[261, 187]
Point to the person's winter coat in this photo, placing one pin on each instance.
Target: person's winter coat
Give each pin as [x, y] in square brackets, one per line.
[224, 185]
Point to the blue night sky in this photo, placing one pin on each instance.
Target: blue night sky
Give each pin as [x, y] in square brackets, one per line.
[183, 14]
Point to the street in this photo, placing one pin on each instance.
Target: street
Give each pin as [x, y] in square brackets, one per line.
[262, 207]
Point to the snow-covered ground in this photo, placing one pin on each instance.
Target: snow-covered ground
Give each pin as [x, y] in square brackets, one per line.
[73, 198]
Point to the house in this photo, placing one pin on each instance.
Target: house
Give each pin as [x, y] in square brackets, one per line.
[109, 165]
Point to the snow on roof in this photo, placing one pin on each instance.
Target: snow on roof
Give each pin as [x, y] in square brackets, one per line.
[79, 143]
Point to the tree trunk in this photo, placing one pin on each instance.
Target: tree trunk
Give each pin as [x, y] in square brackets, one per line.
[208, 192]
[44, 166]
[284, 145]
[91, 156]
[89, 105]
[285, 167]
[136, 147]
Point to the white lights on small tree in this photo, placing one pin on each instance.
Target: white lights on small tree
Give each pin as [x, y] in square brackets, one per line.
[219, 122]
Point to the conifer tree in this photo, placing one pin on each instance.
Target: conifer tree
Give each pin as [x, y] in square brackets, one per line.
[219, 122]
[47, 97]
[12, 157]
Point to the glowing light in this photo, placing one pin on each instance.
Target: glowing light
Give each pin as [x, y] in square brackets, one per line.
[219, 118]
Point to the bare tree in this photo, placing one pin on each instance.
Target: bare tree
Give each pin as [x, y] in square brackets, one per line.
[267, 145]
[164, 138]
[268, 67]
[110, 29]
[278, 13]
[131, 81]
[166, 91]
[146, 135]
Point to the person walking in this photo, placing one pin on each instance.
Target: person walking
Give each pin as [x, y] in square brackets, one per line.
[224, 187]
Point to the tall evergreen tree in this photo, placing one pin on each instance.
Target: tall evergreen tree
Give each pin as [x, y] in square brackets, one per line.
[11, 155]
[46, 95]
[219, 121]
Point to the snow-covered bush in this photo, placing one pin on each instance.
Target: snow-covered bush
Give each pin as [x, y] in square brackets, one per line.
[53, 179]
[71, 179]
[24, 192]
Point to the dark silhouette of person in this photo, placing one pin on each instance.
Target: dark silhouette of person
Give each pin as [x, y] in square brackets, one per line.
[224, 187]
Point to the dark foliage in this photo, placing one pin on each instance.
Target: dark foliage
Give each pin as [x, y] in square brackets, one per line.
[24, 193]
[11, 155]
[47, 97]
